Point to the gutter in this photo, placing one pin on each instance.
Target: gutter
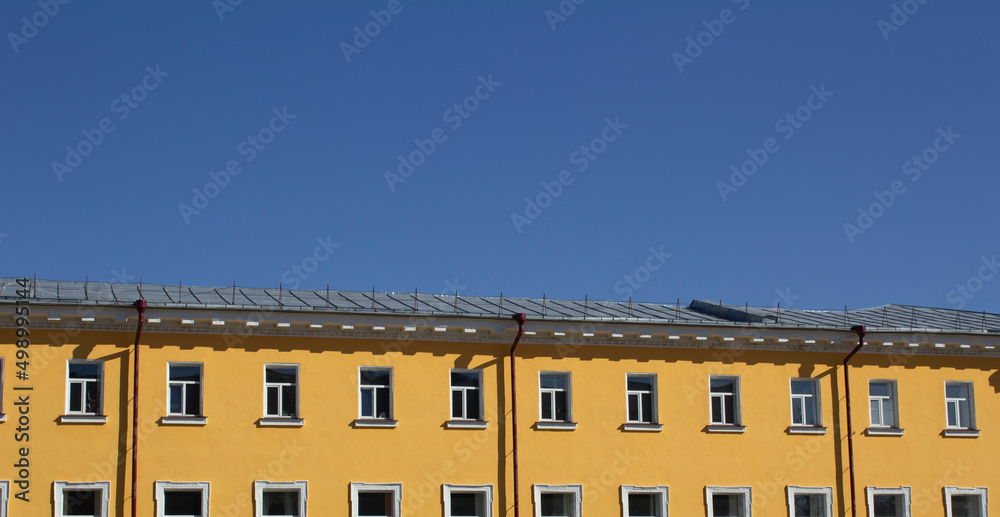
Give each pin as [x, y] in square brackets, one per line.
[860, 330]
[140, 307]
[520, 318]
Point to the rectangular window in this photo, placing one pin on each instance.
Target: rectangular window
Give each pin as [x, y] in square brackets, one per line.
[959, 405]
[83, 387]
[280, 499]
[640, 392]
[468, 500]
[882, 403]
[555, 394]
[558, 500]
[181, 499]
[888, 502]
[184, 389]
[466, 394]
[376, 500]
[644, 501]
[376, 393]
[805, 403]
[281, 390]
[725, 394]
[4, 495]
[965, 502]
[79, 499]
[728, 501]
[810, 501]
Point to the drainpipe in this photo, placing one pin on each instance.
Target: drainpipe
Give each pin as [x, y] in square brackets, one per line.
[860, 330]
[520, 318]
[140, 306]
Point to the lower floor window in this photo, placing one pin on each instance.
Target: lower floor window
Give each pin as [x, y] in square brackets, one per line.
[468, 500]
[181, 499]
[4, 491]
[280, 499]
[644, 501]
[888, 502]
[810, 501]
[728, 501]
[76, 499]
[558, 500]
[376, 499]
[965, 502]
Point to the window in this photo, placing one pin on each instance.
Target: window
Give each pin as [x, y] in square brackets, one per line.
[728, 501]
[959, 405]
[882, 401]
[468, 501]
[83, 387]
[184, 389]
[556, 404]
[641, 501]
[181, 499]
[466, 395]
[76, 499]
[965, 502]
[376, 500]
[805, 403]
[376, 393]
[640, 390]
[4, 495]
[725, 394]
[281, 394]
[888, 502]
[558, 500]
[810, 501]
[280, 499]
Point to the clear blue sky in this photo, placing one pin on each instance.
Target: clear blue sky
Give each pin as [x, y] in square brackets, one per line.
[836, 102]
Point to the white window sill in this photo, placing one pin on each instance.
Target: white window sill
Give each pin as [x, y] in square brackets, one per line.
[183, 420]
[726, 428]
[884, 431]
[3, 417]
[273, 421]
[556, 426]
[806, 429]
[640, 426]
[375, 422]
[961, 433]
[466, 424]
[83, 419]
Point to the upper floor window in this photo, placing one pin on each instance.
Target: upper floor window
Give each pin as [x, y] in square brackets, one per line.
[959, 405]
[555, 397]
[184, 389]
[882, 402]
[725, 395]
[466, 394]
[281, 390]
[640, 390]
[376, 393]
[77, 499]
[805, 403]
[83, 387]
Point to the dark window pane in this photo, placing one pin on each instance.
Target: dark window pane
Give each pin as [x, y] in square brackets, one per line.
[557, 504]
[886, 506]
[272, 400]
[562, 409]
[465, 504]
[554, 381]
[182, 502]
[193, 397]
[75, 397]
[640, 383]
[957, 391]
[93, 397]
[716, 409]
[456, 404]
[81, 502]
[176, 399]
[284, 375]
[810, 411]
[642, 505]
[185, 373]
[546, 406]
[879, 389]
[727, 505]
[285, 502]
[809, 506]
[375, 377]
[803, 388]
[965, 506]
[730, 407]
[84, 371]
[288, 406]
[472, 403]
[375, 503]
[465, 379]
[647, 408]
[633, 408]
[382, 403]
[366, 404]
[723, 385]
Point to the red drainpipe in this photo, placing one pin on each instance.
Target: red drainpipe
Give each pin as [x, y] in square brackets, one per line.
[860, 330]
[520, 318]
[140, 306]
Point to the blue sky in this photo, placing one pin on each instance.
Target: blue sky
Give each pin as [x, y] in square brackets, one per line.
[548, 147]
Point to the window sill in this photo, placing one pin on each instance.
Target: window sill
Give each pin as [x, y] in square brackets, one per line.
[961, 433]
[3, 417]
[805, 429]
[83, 419]
[375, 422]
[884, 431]
[555, 426]
[273, 421]
[466, 424]
[725, 428]
[638, 426]
[183, 420]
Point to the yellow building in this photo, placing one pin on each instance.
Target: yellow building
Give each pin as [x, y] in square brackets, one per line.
[262, 402]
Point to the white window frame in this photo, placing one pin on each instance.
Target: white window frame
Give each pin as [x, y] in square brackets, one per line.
[83, 388]
[892, 399]
[982, 492]
[374, 390]
[185, 385]
[58, 487]
[816, 396]
[162, 487]
[4, 497]
[395, 488]
[298, 391]
[947, 407]
[903, 491]
[464, 389]
[662, 490]
[653, 402]
[575, 490]
[745, 491]
[259, 487]
[448, 489]
[826, 492]
[542, 392]
[737, 416]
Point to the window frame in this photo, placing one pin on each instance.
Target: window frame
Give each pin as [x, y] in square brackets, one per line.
[817, 403]
[463, 389]
[737, 422]
[162, 487]
[375, 421]
[576, 490]
[654, 402]
[553, 422]
[893, 399]
[259, 487]
[83, 416]
[745, 491]
[826, 492]
[662, 490]
[447, 489]
[982, 492]
[4, 497]
[972, 408]
[903, 491]
[58, 487]
[395, 488]
[184, 418]
[278, 418]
